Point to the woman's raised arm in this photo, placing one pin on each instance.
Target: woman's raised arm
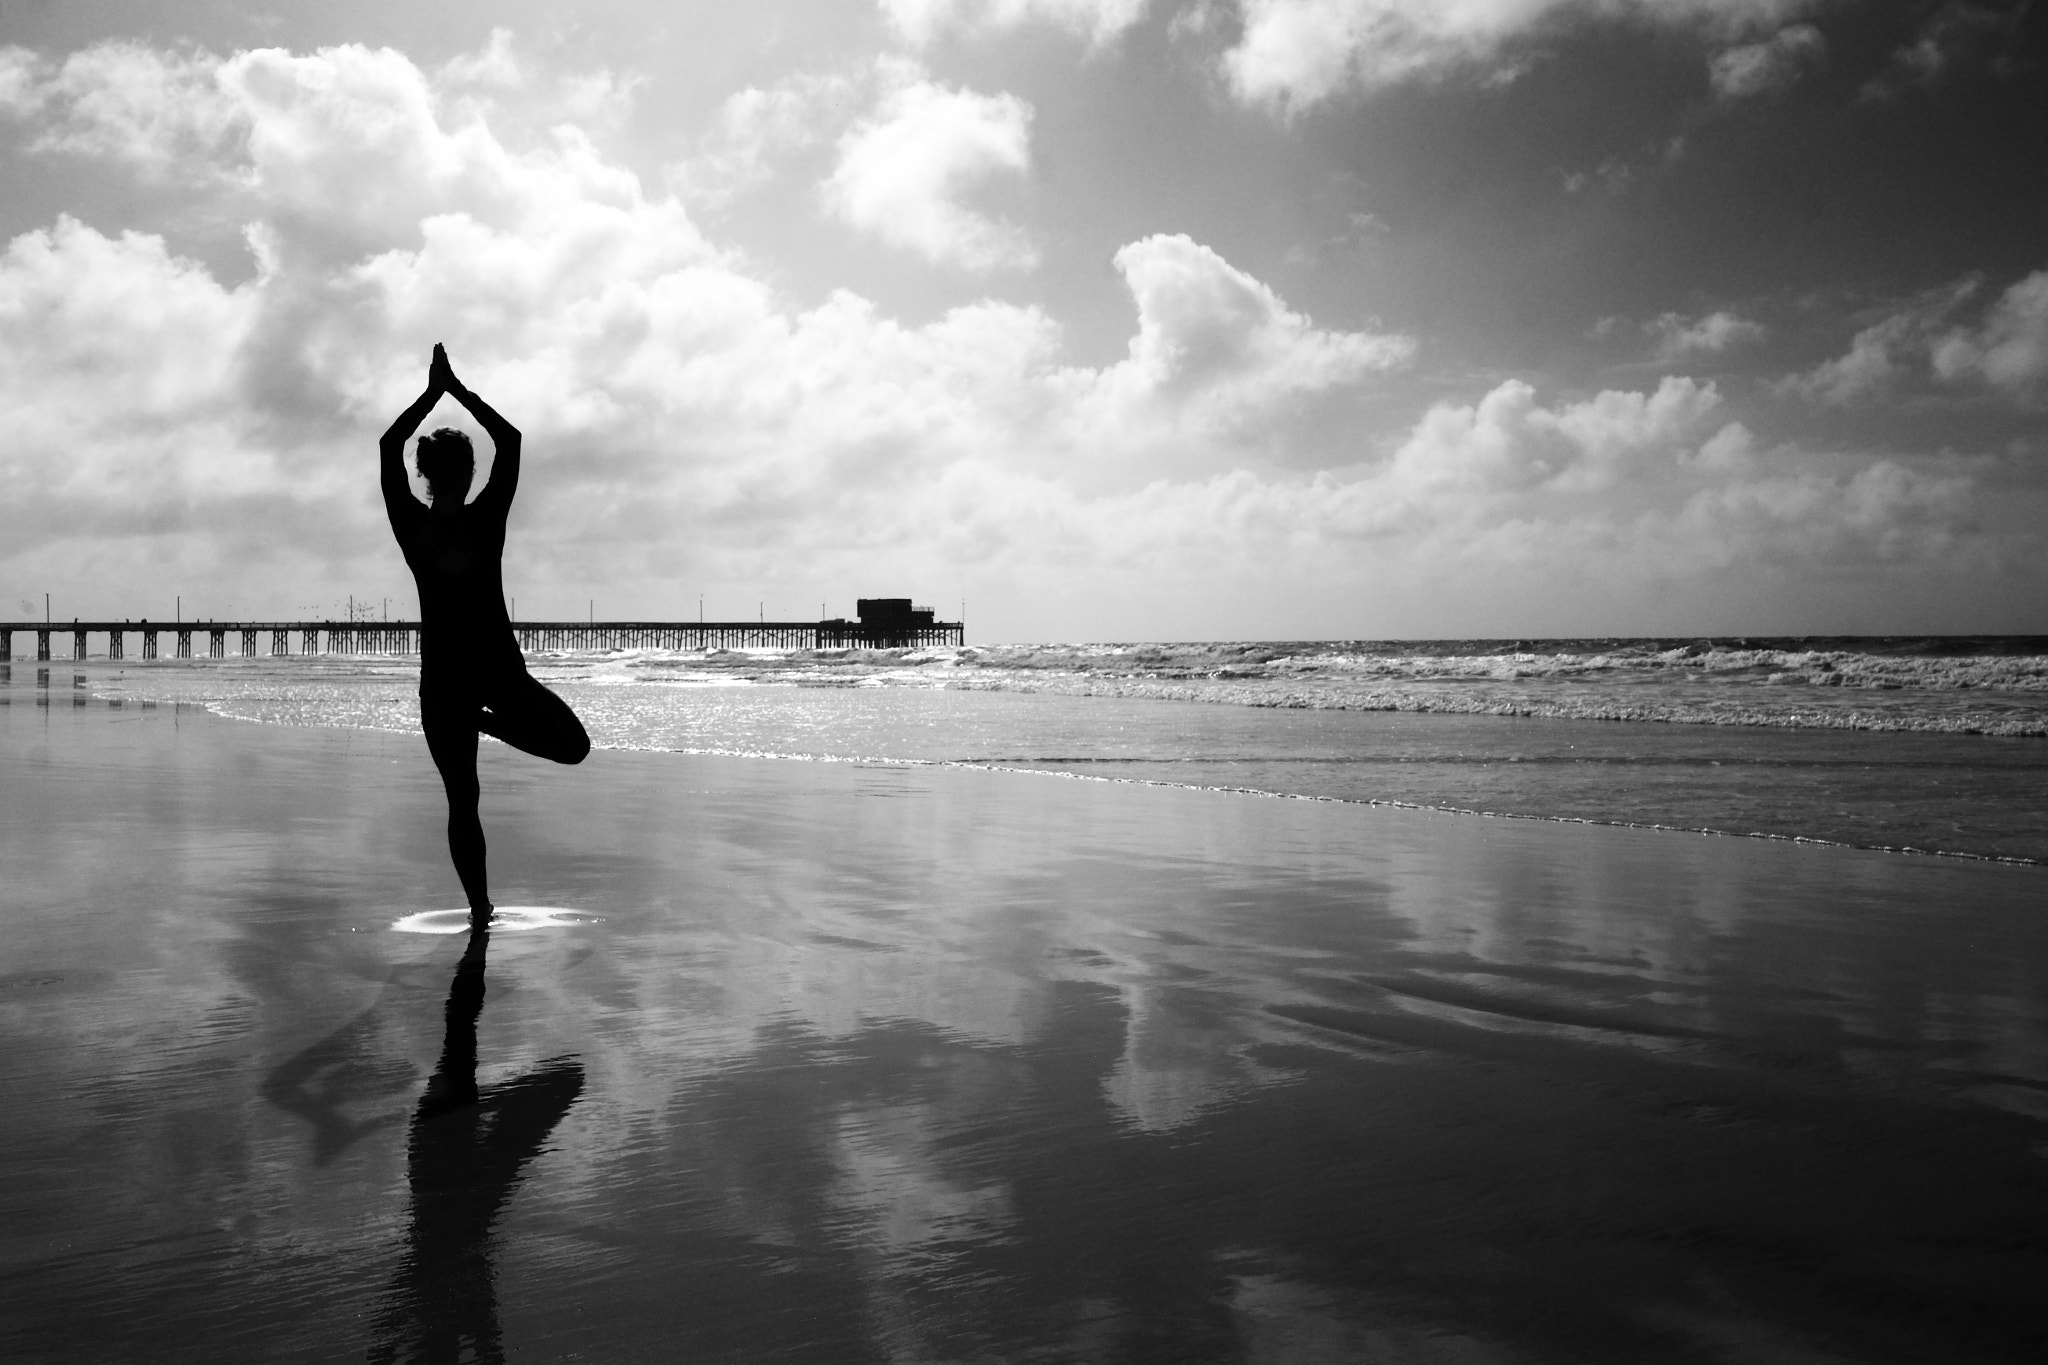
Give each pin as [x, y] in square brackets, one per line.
[391, 447]
[504, 436]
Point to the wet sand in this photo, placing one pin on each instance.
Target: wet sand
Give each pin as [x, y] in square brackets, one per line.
[869, 1063]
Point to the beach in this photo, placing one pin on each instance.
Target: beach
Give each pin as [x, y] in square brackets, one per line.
[870, 1061]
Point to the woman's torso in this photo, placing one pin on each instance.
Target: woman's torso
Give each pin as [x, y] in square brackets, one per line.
[457, 561]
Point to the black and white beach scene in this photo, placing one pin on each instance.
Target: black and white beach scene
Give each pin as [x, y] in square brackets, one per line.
[992, 681]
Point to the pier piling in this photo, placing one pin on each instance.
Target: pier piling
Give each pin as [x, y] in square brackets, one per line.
[403, 637]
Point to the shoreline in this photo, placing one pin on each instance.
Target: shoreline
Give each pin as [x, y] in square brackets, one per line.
[1389, 803]
[1285, 777]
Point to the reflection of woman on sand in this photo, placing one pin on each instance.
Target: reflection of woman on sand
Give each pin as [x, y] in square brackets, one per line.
[466, 1154]
[473, 679]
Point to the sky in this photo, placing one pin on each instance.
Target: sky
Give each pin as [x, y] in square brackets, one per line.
[1098, 319]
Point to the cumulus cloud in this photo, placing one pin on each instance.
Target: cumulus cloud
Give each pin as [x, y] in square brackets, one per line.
[2009, 351]
[110, 342]
[1295, 53]
[1620, 483]
[1885, 354]
[922, 21]
[1881, 513]
[159, 111]
[902, 171]
[1509, 443]
[1871, 366]
[1516, 479]
[1958, 33]
[755, 127]
[1919, 343]
[1215, 346]
[687, 424]
[354, 145]
[18, 80]
[186, 112]
[1679, 338]
[1759, 68]
[518, 89]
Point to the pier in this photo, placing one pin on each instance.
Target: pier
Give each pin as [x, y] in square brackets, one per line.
[885, 623]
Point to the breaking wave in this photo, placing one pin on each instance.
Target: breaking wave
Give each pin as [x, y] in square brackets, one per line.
[1991, 685]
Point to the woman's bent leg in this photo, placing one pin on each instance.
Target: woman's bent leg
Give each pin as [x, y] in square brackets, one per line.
[529, 717]
[451, 738]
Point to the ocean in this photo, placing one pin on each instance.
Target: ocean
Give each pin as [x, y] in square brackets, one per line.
[1934, 745]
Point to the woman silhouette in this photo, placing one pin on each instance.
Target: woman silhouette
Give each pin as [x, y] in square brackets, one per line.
[473, 679]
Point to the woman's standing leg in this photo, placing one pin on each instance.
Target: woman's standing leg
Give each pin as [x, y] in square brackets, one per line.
[451, 728]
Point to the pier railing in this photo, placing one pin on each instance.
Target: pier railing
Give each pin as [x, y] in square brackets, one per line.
[280, 638]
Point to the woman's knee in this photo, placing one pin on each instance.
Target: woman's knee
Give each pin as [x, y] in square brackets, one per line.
[459, 779]
[569, 749]
[567, 741]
